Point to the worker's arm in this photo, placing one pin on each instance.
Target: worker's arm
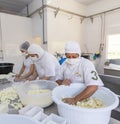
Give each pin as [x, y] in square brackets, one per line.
[64, 82]
[34, 76]
[21, 71]
[89, 91]
[59, 82]
[32, 68]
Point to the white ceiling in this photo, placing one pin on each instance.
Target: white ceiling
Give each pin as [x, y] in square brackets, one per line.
[13, 6]
[87, 2]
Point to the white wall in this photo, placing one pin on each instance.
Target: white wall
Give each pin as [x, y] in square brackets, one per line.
[92, 33]
[92, 40]
[15, 30]
[102, 6]
[70, 5]
[67, 27]
[37, 24]
[64, 27]
[55, 34]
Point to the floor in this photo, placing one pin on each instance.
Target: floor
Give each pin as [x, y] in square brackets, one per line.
[114, 121]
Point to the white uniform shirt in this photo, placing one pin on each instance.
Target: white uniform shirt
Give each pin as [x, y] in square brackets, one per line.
[47, 66]
[82, 72]
[27, 63]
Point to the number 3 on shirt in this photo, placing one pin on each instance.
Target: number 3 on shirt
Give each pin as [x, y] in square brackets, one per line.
[95, 77]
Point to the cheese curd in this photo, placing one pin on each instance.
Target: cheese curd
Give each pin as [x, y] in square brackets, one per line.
[10, 97]
[6, 76]
[38, 91]
[34, 87]
[90, 103]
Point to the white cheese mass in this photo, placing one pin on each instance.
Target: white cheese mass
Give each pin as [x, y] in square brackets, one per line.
[9, 96]
[90, 103]
[39, 91]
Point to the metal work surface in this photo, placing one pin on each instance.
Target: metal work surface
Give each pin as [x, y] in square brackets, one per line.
[53, 108]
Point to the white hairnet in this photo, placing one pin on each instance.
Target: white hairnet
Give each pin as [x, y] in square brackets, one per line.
[24, 46]
[72, 47]
[36, 49]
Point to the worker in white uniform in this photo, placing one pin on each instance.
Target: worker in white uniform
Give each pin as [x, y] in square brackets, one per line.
[77, 69]
[46, 64]
[27, 68]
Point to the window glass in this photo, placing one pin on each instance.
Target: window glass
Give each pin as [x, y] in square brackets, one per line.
[113, 46]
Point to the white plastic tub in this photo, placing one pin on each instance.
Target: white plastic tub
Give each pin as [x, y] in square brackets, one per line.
[16, 119]
[78, 115]
[40, 99]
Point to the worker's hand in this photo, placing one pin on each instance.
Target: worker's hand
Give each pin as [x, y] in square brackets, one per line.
[29, 79]
[21, 77]
[17, 75]
[66, 82]
[70, 101]
[17, 79]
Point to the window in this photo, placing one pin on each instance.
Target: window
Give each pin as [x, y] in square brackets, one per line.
[113, 46]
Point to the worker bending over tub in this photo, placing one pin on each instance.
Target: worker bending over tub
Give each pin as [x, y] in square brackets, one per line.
[77, 69]
[46, 64]
[27, 68]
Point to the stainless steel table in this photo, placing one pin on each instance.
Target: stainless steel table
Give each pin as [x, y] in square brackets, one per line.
[48, 110]
[51, 109]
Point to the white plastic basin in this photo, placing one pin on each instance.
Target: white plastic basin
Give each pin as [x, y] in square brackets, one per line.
[16, 119]
[78, 115]
[40, 99]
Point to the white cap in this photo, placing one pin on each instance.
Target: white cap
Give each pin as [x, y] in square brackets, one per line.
[24, 46]
[36, 49]
[72, 47]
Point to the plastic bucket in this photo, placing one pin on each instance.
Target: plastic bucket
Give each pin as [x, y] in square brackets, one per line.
[5, 68]
[40, 99]
[16, 119]
[78, 115]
